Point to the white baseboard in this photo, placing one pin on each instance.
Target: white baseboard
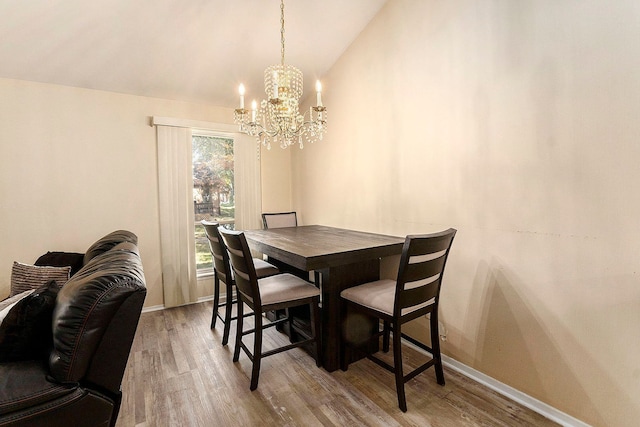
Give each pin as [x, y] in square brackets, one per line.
[201, 299]
[541, 408]
[153, 308]
[524, 399]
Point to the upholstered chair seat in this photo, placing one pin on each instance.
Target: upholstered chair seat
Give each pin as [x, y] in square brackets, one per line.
[285, 287]
[380, 296]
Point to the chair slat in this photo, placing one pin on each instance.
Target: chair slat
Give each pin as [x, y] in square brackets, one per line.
[413, 272]
[418, 258]
[413, 297]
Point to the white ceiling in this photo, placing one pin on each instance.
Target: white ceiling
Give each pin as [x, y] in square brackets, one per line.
[192, 50]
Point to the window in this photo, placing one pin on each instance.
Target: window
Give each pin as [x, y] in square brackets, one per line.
[213, 190]
[180, 282]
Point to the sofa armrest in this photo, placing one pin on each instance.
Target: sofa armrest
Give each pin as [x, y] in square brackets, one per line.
[95, 319]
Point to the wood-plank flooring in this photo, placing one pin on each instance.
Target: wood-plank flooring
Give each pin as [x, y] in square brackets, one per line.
[179, 375]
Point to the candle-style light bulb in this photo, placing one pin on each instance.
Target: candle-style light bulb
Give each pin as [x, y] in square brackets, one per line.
[241, 90]
[318, 93]
[254, 108]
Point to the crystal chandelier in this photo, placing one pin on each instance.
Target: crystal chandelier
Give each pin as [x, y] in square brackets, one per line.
[278, 119]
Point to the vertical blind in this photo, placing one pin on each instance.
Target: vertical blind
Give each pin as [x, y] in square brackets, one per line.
[175, 187]
[177, 239]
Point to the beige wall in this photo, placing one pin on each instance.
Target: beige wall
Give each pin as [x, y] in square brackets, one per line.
[516, 122]
[76, 164]
[275, 170]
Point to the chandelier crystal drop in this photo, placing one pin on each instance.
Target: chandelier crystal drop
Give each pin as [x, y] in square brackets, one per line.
[277, 119]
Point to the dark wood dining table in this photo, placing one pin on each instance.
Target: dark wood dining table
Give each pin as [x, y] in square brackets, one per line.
[344, 258]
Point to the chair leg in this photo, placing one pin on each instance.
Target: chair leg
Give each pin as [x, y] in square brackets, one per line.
[344, 357]
[435, 347]
[385, 337]
[344, 342]
[227, 314]
[239, 326]
[315, 330]
[292, 333]
[257, 350]
[216, 299]
[397, 363]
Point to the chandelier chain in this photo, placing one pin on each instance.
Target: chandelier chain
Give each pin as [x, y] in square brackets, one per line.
[282, 30]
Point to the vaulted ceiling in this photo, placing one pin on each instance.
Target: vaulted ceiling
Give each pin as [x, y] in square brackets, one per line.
[192, 50]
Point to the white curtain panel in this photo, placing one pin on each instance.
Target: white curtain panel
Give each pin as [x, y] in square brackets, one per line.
[247, 183]
[177, 238]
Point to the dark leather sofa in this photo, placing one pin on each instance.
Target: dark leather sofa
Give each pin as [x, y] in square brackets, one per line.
[94, 321]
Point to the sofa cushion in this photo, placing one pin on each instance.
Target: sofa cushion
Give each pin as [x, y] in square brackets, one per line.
[109, 241]
[25, 277]
[24, 385]
[62, 259]
[25, 332]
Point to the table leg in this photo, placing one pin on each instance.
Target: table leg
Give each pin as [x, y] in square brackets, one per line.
[333, 281]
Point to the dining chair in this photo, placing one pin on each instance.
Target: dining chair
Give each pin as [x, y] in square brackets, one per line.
[415, 293]
[281, 291]
[222, 273]
[279, 220]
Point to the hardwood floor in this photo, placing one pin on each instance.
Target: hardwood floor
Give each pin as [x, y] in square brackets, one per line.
[179, 375]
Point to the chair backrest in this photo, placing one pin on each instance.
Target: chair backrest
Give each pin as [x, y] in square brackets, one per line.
[242, 264]
[218, 250]
[279, 220]
[421, 269]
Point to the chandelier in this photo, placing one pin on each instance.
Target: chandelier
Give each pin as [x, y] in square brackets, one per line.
[278, 119]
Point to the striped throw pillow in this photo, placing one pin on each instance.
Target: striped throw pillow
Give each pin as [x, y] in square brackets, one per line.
[25, 277]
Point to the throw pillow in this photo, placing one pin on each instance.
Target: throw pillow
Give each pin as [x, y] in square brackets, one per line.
[7, 304]
[25, 333]
[25, 276]
[62, 259]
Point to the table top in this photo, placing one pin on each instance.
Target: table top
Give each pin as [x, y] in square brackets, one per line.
[313, 247]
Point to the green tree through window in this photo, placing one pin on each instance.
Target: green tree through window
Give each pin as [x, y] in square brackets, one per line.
[213, 189]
